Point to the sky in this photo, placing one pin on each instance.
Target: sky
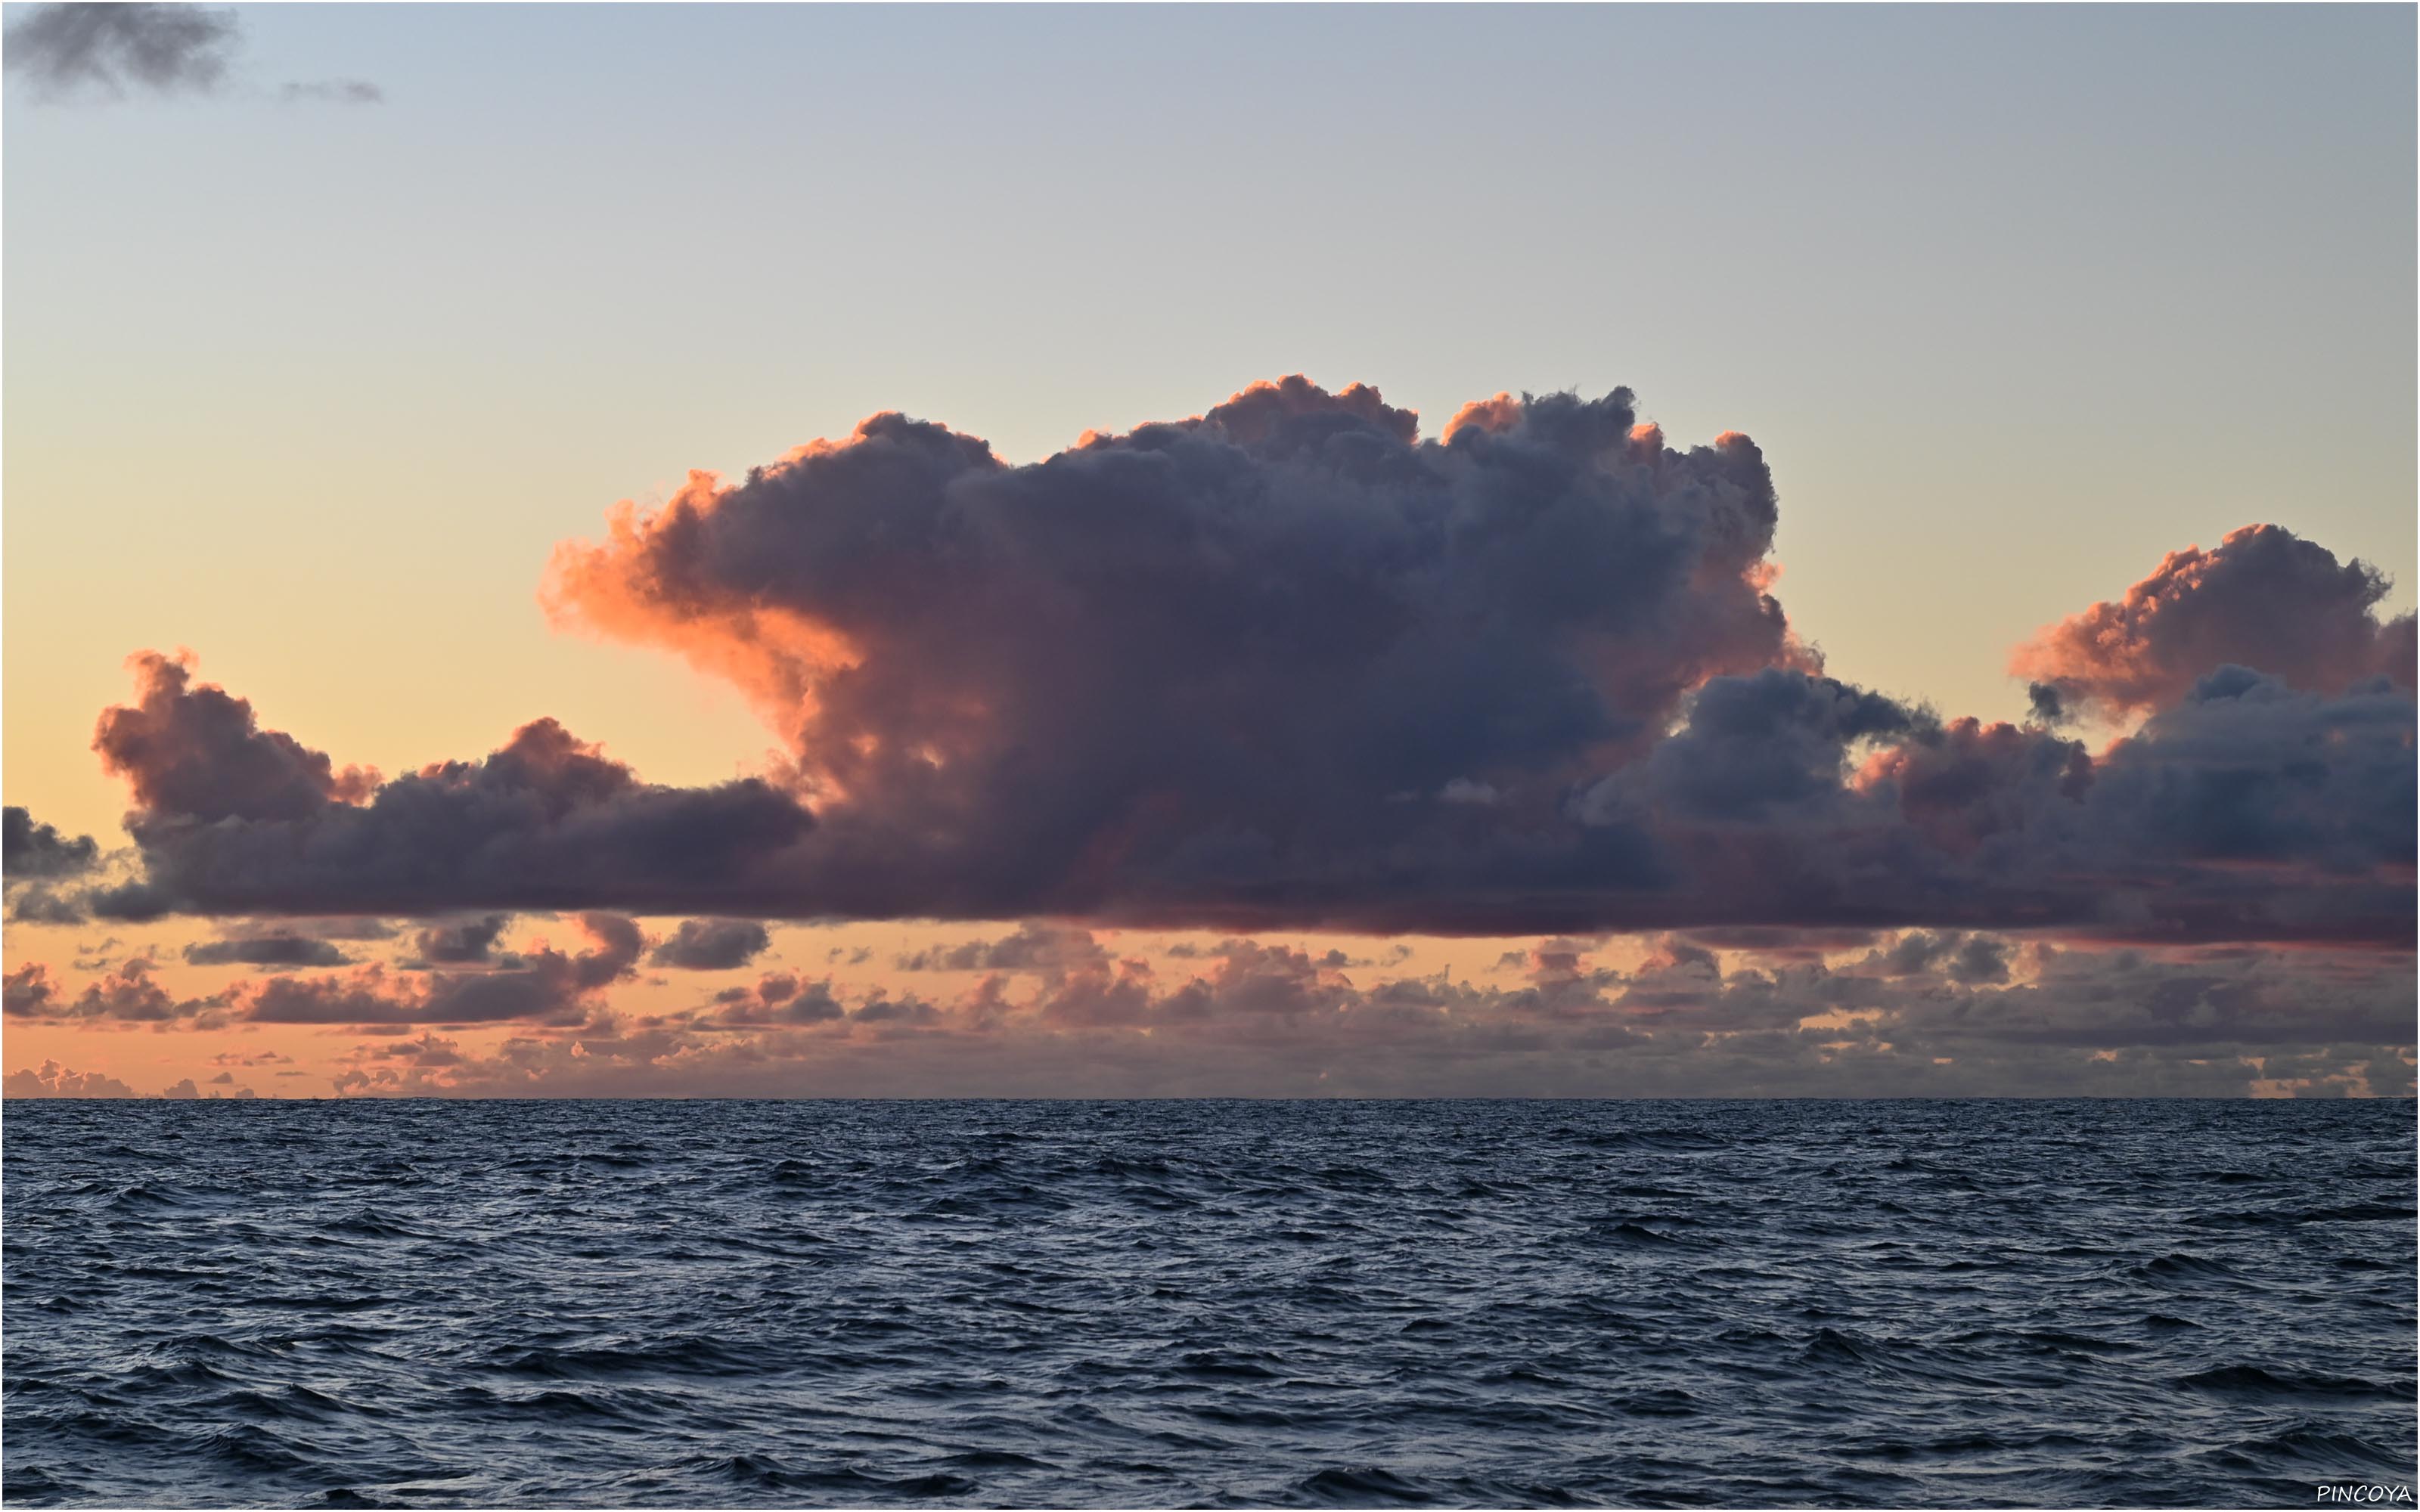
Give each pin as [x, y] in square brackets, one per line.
[1338, 742]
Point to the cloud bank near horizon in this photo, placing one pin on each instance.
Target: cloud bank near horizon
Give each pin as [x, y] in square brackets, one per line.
[1053, 1010]
[1288, 665]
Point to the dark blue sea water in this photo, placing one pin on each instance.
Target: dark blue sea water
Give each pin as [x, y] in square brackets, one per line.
[1139, 1304]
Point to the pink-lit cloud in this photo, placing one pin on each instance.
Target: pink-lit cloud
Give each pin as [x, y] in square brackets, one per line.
[2262, 599]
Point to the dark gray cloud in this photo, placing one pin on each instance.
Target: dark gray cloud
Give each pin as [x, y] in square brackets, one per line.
[1755, 750]
[167, 48]
[1968, 960]
[2247, 769]
[40, 866]
[2248, 811]
[30, 850]
[28, 992]
[44, 903]
[116, 50]
[459, 942]
[711, 945]
[2046, 704]
[280, 949]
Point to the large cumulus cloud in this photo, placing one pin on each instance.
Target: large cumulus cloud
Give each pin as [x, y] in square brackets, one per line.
[1287, 663]
[1244, 654]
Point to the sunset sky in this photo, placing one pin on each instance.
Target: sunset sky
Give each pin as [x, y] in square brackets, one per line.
[1938, 624]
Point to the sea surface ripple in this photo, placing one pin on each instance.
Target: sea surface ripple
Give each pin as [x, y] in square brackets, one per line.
[1206, 1303]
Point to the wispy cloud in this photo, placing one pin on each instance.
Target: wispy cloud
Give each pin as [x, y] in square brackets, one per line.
[334, 91]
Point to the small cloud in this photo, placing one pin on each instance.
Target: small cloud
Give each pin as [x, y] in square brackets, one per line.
[279, 949]
[29, 848]
[459, 941]
[40, 904]
[334, 91]
[166, 49]
[2048, 704]
[162, 49]
[712, 945]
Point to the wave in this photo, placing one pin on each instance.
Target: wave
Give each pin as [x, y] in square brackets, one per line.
[1207, 1304]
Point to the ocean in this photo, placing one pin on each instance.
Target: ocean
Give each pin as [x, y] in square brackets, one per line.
[1144, 1303]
